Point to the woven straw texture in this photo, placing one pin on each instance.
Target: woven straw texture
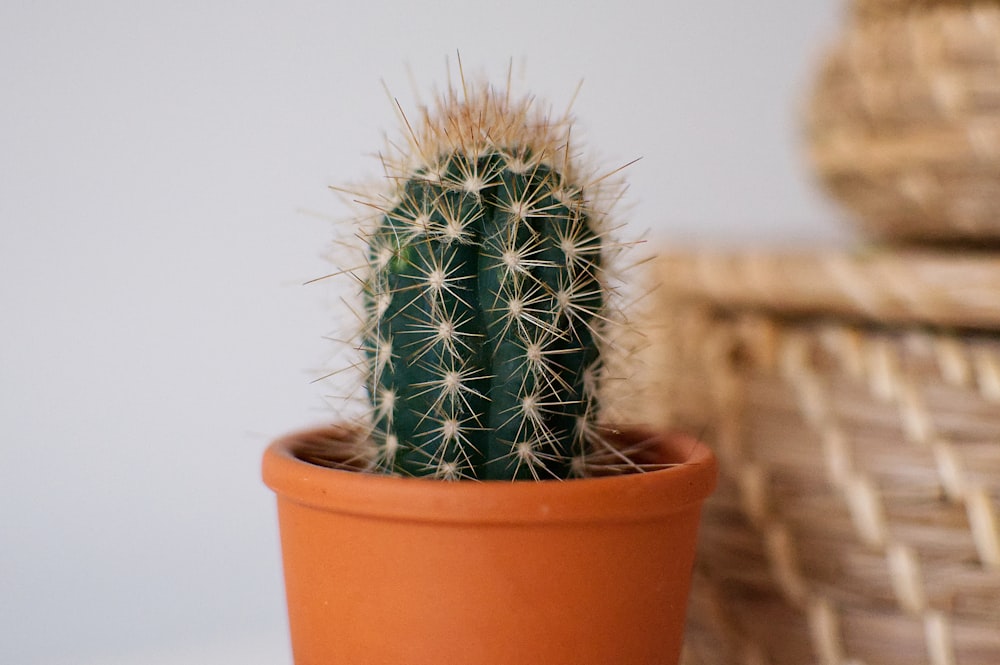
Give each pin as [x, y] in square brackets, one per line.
[856, 521]
[882, 7]
[903, 126]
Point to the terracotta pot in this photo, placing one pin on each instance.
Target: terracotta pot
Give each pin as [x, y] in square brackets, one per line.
[402, 571]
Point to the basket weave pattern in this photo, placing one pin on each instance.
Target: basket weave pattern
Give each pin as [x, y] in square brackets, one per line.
[868, 8]
[858, 514]
[904, 123]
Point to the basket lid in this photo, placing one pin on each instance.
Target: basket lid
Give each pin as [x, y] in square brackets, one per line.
[913, 286]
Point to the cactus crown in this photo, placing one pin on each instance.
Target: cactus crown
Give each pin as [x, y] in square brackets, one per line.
[485, 297]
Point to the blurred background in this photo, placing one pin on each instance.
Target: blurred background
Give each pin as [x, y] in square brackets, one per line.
[163, 199]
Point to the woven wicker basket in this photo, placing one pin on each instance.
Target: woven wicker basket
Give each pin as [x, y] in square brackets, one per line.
[904, 122]
[854, 403]
[882, 7]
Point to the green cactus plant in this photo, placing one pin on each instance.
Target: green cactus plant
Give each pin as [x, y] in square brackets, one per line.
[486, 303]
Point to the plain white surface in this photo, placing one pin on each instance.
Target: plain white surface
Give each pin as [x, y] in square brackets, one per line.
[160, 164]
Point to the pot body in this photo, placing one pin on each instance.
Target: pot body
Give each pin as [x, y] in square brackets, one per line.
[402, 571]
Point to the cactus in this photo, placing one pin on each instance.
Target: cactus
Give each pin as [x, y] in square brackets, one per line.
[485, 298]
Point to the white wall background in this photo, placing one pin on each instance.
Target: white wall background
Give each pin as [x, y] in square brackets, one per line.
[155, 160]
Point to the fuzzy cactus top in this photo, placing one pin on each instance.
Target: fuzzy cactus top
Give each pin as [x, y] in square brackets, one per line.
[484, 298]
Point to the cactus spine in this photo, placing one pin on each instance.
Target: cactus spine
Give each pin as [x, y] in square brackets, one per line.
[484, 299]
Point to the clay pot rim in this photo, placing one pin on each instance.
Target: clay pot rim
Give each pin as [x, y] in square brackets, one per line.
[628, 497]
